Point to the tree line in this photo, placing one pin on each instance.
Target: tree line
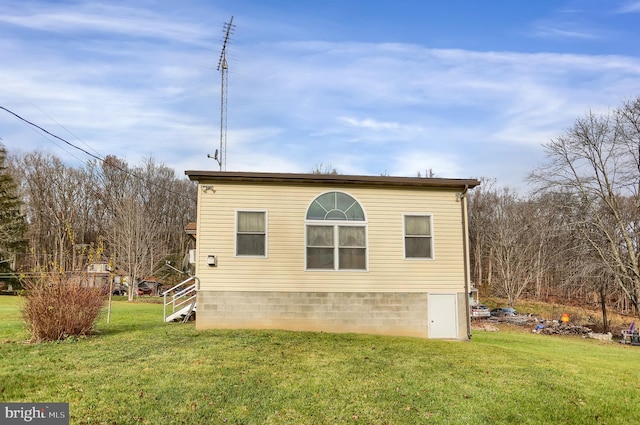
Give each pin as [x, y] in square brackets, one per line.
[574, 237]
[131, 217]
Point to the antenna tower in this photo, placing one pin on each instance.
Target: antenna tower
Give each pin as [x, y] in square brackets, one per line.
[223, 67]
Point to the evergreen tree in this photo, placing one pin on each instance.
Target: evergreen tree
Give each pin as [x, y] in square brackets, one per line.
[13, 225]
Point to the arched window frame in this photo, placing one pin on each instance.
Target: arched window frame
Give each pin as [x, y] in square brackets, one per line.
[338, 221]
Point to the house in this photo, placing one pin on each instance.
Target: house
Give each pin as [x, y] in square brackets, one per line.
[98, 275]
[333, 253]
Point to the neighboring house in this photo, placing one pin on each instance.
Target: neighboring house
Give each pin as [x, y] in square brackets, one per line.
[191, 230]
[98, 274]
[333, 253]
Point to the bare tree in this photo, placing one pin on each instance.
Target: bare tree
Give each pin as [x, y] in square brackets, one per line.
[324, 169]
[598, 161]
[517, 240]
[428, 174]
[58, 208]
[140, 212]
[148, 213]
[585, 271]
[482, 201]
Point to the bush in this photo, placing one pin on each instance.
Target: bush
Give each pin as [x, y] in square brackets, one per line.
[59, 307]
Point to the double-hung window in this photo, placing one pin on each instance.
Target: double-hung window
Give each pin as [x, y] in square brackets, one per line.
[251, 233]
[418, 238]
[336, 233]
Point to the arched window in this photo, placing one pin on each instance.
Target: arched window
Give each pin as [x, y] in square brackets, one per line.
[336, 233]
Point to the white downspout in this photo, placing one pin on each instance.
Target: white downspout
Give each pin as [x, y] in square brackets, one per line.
[467, 260]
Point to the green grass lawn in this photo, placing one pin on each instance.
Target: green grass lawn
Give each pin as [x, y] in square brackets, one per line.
[139, 370]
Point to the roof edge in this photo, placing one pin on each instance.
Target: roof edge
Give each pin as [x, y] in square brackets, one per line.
[294, 178]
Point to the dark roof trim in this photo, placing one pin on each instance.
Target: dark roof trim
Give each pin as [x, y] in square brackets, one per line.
[341, 179]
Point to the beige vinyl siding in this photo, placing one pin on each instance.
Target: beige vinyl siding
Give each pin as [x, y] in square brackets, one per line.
[283, 269]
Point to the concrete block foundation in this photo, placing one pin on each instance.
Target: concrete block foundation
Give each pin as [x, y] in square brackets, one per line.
[402, 314]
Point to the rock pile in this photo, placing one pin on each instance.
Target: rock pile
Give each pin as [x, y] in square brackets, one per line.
[559, 328]
[546, 327]
[541, 326]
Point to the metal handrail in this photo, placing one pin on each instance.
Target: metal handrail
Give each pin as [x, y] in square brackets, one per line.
[182, 301]
[182, 292]
[181, 284]
[181, 297]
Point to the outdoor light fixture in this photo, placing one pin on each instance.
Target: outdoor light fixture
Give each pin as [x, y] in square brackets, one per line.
[212, 260]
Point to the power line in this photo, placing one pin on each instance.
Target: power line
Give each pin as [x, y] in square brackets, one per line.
[46, 137]
[97, 157]
[51, 134]
[65, 128]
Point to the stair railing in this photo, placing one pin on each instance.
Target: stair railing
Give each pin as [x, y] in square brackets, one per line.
[180, 295]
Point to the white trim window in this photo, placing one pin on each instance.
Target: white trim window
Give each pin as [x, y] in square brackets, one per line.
[418, 236]
[251, 233]
[336, 233]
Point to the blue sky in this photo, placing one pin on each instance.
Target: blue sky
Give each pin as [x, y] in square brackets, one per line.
[468, 89]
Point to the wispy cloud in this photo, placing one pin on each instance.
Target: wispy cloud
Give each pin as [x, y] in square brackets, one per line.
[569, 23]
[558, 32]
[630, 7]
[134, 82]
[100, 17]
[325, 100]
